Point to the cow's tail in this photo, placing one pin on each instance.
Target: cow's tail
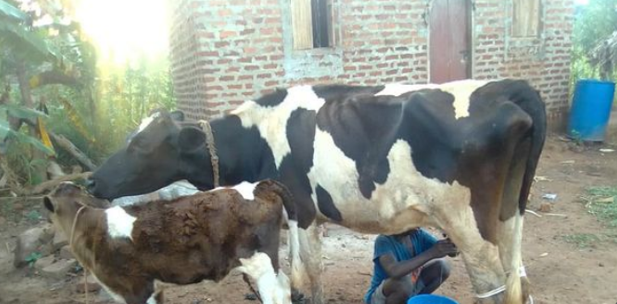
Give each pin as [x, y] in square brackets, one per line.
[530, 101]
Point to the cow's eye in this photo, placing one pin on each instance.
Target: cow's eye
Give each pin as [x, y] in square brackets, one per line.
[138, 145]
[137, 148]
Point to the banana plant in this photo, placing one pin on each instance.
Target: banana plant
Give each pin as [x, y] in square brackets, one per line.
[7, 133]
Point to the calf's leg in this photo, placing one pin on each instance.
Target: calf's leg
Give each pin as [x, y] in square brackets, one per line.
[273, 288]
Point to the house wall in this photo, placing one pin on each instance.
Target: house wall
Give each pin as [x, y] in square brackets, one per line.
[224, 52]
[544, 61]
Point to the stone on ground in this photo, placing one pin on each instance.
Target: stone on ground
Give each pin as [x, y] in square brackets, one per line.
[44, 262]
[60, 240]
[30, 242]
[66, 253]
[90, 284]
[59, 269]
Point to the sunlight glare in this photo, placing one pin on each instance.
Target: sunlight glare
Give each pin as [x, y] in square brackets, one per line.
[125, 30]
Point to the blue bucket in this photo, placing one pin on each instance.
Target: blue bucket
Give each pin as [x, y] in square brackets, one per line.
[430, 299]
[591, 109]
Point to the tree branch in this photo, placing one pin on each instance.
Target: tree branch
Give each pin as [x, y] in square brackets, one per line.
[55, 77]
[42, 187]
[69, 147]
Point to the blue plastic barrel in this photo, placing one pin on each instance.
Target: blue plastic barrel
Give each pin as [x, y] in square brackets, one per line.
[591, 109]
[430, 299]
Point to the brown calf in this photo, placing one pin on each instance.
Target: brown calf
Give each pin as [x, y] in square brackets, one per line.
[193, 238]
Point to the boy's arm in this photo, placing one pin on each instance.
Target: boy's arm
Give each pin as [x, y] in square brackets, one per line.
[397, 270]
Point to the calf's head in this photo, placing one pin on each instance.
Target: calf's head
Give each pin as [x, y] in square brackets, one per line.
[64, 202]
[161, 151]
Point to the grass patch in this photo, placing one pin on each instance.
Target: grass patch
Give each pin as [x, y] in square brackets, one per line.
[581, 240]
[602, 202]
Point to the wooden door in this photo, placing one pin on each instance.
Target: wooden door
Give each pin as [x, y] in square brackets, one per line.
[450, 35]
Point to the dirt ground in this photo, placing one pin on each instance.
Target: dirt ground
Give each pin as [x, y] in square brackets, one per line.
[560, 270]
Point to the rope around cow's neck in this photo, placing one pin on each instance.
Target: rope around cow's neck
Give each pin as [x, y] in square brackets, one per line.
[71, 246]
[214, 159]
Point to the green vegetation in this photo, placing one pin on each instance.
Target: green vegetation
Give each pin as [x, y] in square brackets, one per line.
[52, 83]
[32, 258]
[581, 240]
[594, 23]
[602, 202]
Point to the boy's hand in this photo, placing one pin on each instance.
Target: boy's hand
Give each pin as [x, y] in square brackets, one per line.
[443, 248]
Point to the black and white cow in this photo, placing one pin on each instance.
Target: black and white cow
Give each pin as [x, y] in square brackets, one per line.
[459, 156]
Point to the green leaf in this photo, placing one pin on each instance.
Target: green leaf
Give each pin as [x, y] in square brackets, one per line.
[25, 43]
[38, 162]
[34, 142]
[6, 131]
[23, 112]
[10, 12]
[4, 126]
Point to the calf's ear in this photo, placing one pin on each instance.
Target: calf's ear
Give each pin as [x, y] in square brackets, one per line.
[48, 204]
[191, 139]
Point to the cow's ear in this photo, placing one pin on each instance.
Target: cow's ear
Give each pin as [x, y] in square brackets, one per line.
[191, 139]
[177, 115]
[48, 204]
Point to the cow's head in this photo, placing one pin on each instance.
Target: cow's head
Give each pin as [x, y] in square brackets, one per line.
[161, 151]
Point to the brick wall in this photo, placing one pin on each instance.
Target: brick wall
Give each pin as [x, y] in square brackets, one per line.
[224, 52]
[544, 61]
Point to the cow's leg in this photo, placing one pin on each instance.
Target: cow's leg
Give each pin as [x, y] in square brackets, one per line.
[510, 248]
[481, 257]
[310, 252]
[273, 288]
[510, 234]
[298, 269]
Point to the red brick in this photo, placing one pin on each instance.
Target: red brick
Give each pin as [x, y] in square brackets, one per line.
[224, 13]
[266, 31]
[392, 57]
[208, 54]
[248, 31]
[221, 44]
[227, 34]
[271, 83]
[391, 72]
[250, 50]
